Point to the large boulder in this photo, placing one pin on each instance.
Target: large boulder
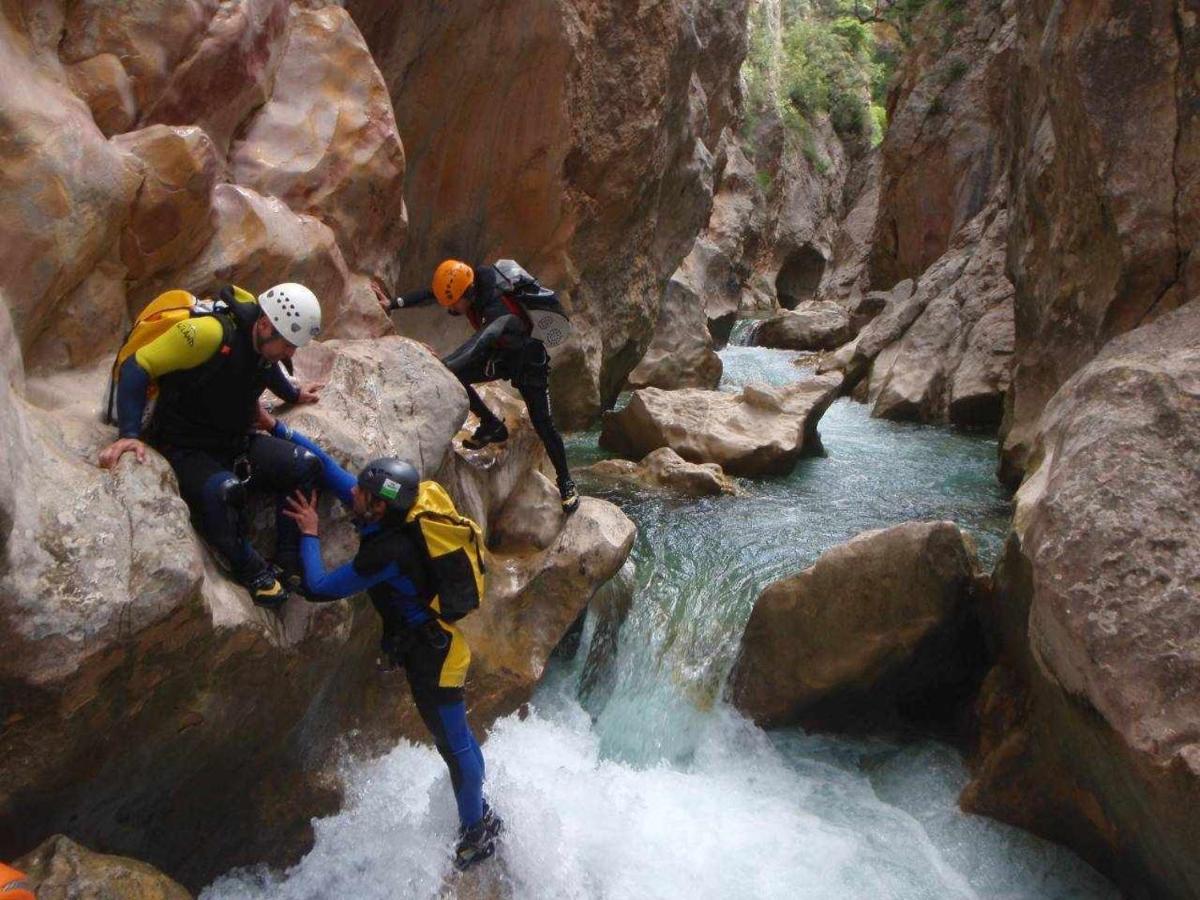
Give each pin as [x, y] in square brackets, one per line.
[953, 362]
[664, 469]
[1105, 151]
[1098, 742]
[60, 869]
[761, 431]
[814, 325]
[326, 142]
[586, 153]
[681, 354]
[880, 621]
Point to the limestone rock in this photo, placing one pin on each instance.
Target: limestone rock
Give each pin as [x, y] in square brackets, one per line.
[681, 354]
[67, 189]
[947, 142]
[61, 869]
[874, 620]
[863, 308]
[533, 600]
[814, 325]
[953, 363]
[171, 219]
[103, 84]
[326, 141]
[761, 431]
[260, 242]
[665, 469]
[228, 71]
[847, 276]
[1105, 196]
[1096, 607]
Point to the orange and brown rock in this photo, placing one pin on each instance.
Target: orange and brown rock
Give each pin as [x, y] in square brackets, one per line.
[326, 143]
[61, 869]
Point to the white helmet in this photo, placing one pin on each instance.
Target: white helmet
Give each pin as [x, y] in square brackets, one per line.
[294, 311]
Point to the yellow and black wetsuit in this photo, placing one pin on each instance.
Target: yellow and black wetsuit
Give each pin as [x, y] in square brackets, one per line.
[210, 377]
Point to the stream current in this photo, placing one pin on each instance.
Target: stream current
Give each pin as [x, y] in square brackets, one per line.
[636, 779]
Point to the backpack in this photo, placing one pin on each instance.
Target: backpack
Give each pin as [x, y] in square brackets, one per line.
[453, 545]
[159, 316]
[536, 305]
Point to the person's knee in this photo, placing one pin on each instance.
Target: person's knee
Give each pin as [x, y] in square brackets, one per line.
[307, 468]
[225, 492]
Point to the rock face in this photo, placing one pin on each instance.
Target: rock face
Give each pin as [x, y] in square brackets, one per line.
[814, 325]
[954, 361]
[1093, 721]
[60, 869]
[761, 431]
[945, 149]
[876, 622]
[589, 159]
[681, 354]
[1104, 203]
[665, 469]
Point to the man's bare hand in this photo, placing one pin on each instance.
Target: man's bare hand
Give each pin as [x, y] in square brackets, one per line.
[111, 455]
[263, 420]
[309, 392]
[303, 511]
[384, 301]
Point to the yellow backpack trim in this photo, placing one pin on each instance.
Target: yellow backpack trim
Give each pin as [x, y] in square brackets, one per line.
[456, 551]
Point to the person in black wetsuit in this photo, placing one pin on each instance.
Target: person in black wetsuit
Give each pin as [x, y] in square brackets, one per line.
[502, 347]
[393, 570]
[210, 371]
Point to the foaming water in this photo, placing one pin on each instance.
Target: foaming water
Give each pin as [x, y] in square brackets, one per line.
[637, 780]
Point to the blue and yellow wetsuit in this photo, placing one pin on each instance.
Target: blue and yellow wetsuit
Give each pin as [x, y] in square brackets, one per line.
[393, 570]
[210, 377]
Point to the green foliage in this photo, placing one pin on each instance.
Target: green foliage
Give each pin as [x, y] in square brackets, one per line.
[956, 69]
[878, 124]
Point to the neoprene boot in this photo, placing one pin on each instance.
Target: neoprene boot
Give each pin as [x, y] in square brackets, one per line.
[492, 432]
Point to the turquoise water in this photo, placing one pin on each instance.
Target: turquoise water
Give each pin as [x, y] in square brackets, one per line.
[639, 781]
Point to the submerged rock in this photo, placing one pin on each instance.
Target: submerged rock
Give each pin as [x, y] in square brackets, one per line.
[666, 469]
[60, 869]
[875, 623]
[761, 431]
[1096, 609]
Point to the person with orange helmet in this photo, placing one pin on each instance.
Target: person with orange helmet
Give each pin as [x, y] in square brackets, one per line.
[496, 300]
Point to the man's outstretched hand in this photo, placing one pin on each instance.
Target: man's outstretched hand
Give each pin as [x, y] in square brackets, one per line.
[111, 455]
[303, 511]
[384, 301]
[309, 392]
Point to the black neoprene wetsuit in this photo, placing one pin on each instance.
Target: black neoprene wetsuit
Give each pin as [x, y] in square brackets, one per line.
[502, 348]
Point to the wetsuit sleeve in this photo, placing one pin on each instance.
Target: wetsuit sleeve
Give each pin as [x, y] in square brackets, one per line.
[343, 581]
[333, 476]
[185, 345]
[281, 386]
[414, 298]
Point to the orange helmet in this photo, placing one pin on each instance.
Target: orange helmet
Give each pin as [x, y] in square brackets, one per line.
[451, 280]
[13, 885]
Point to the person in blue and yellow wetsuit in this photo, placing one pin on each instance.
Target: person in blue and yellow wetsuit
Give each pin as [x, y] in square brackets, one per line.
[210, 371]
[393, 569]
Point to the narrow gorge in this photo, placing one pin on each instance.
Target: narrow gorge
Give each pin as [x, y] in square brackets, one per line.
[882, 393]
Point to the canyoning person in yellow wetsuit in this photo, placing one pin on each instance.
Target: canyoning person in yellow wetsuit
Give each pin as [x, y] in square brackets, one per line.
[505, 305]
[415, 595]
[210, 370]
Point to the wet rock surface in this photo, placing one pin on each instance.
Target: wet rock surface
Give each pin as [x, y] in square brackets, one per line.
[60, 869]
[810, 326]
[1095, 739]
[664, 469]
[761, 431]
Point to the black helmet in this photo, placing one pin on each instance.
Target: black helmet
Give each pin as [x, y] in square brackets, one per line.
[391, 480]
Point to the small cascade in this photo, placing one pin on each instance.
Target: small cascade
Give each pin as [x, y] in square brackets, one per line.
[742, 334]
